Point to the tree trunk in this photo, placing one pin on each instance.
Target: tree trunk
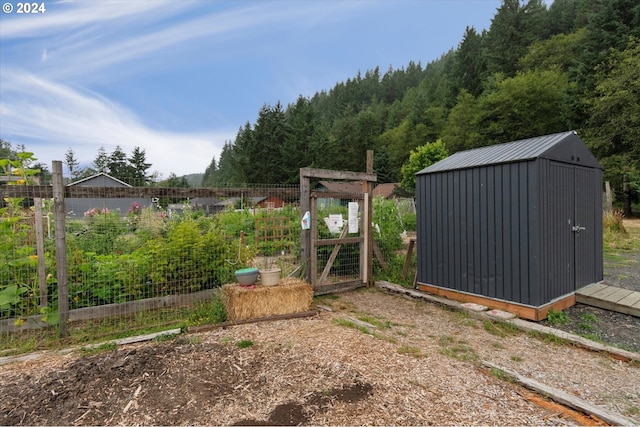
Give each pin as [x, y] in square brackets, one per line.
[626, 199]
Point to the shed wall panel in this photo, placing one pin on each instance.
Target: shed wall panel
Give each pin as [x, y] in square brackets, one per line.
[476, 228]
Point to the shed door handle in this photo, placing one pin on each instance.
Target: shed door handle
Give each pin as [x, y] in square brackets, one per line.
[578, 228]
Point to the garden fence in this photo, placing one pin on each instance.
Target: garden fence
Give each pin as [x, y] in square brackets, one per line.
[140, 259]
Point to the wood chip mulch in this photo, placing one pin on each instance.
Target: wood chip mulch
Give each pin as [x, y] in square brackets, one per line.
[374, 359]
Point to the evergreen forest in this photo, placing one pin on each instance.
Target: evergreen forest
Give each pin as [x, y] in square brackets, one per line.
[537, 70]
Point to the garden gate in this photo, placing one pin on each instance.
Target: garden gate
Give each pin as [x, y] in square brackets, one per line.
[349, 264]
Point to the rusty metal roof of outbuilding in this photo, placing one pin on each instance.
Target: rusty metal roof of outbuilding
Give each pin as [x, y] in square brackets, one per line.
[563, 146]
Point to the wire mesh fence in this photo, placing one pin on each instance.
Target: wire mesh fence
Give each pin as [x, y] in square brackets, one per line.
[139, 259]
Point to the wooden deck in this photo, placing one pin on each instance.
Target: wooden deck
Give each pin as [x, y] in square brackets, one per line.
[610, 298]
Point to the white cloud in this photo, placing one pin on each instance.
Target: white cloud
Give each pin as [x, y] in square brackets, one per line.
[93, 36]
[60, 64]
[61, 117]
[71, 15]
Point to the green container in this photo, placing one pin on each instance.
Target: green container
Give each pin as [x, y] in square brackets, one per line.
[247, 276]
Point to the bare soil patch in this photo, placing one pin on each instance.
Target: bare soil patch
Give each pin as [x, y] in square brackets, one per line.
[419, 365]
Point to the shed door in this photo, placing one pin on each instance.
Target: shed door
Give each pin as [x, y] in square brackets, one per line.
[584, 228]
[573, 225]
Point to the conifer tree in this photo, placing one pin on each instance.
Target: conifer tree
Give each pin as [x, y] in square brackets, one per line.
[138, 167]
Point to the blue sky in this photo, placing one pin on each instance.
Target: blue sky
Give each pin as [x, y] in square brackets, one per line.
[179, 78]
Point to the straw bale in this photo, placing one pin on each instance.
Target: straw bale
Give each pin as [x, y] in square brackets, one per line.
[291, 295]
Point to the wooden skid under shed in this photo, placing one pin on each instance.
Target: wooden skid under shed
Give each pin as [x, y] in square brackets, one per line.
[522, 311]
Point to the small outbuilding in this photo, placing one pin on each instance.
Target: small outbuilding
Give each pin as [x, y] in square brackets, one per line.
[76, 207]
[515, 226]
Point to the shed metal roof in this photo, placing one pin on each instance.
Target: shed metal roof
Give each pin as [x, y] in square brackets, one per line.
[563, 146]
[99, 179]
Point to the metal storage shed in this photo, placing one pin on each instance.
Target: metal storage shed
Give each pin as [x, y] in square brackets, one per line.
[514, 226]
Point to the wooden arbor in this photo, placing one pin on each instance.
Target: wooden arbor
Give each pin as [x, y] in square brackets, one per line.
[310, 242]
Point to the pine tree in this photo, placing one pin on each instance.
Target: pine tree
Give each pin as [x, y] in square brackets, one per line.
[269, 135]
[138, 167]
[469, 66]
[209, 177]
[101, 162]
[118, 165]
[226, 169]
[72, 163]
[513, 29]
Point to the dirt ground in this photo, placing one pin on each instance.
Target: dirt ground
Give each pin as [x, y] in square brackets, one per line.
[411, 363]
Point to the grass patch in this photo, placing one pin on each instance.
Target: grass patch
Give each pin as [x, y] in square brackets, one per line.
[244, 343]
[516, 358]
[351, 324]
[553, 339]
[557, 317]
[208, 312]
[500, 329]
[446, 340]
[615, 244]
[100, 330]
[593, 337]
[412, 351]
[589, 317]
[375, 321]
[457, 349]
[615, 258]
[584, 326]
[500, 374]
[463, 318]
[103, 348]
[194, 339]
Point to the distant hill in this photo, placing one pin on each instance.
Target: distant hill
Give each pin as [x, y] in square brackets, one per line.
[194, 179]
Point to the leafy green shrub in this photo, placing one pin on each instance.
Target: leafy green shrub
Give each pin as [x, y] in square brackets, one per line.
[106, 279]
[102, 229]
[231, 223]
[19, 294]
[409, 221]
[190, 258]
[388, 230]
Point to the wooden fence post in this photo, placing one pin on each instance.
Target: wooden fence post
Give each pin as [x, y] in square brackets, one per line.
[61, 247]
[42, 279]
[305, 235]
[368, 233]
